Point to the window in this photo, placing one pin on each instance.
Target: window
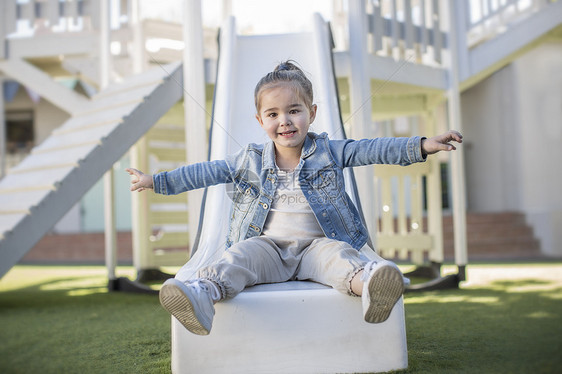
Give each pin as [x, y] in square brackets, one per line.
[20, 136]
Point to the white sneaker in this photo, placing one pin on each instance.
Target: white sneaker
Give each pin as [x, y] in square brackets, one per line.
[190, 303]
[382, 288]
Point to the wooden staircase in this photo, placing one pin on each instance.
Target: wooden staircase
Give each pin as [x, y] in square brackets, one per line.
[494, 236]
[37, 193]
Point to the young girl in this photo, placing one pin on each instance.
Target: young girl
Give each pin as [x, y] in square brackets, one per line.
[291, 218]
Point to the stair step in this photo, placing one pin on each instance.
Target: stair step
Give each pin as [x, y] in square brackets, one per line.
[487, 218]
[494, 235]
[499, 245]
[491, 233]
[477, 233]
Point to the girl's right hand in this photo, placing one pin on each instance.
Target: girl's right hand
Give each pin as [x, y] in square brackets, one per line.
[139, 180]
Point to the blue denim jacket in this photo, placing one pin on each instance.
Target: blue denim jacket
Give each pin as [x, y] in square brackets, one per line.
[253, 174]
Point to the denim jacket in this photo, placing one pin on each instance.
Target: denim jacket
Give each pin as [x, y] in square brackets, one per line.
[253, 174]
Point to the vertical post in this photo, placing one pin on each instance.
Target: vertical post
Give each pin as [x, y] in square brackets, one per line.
[109, 206]
[436, 26]
[457, 158]
[139, 202]
[138, 46]
[461, 25]
[104, 33]
[4, 28]
[141, 230]
[423, 26]
[377, 29]
[110, 232]
[409, 25]
[2, 131]
[194, 103]
[226, 9]
[360, 90]
[3, 32]
[395, 28]
[434, 204]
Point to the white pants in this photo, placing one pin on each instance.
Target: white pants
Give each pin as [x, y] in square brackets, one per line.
[265, 259]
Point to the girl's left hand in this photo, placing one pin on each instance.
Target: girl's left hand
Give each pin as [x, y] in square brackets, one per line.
[441, 142]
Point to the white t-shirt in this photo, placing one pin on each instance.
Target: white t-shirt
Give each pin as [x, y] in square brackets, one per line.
[290, 216]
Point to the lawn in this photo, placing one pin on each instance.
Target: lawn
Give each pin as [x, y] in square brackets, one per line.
[507, 318]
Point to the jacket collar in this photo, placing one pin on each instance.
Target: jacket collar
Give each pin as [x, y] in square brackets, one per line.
[308, 148]
[309, 145]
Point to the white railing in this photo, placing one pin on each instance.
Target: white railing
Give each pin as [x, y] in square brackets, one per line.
[415, 30]
[488, 18]
[53, 15]
[406, 28]
[26, 16]
[408, 199]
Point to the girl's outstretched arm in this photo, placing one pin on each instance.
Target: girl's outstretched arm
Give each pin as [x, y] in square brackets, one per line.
[139, 180]
[441, 142]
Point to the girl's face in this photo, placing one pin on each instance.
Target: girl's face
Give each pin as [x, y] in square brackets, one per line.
[284, 116]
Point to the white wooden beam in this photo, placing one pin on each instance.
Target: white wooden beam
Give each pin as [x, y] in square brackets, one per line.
[8, 19]
[385, 68]
[437, 37]
[139, 202]
[44, 85]
[461, 27]
[47, 45]
[434, 203]
[2, 131]
[457, 157]
[110, 237]
[5, 17]
[388, 69]
[194, 103]
[52, 11]
[360, 94]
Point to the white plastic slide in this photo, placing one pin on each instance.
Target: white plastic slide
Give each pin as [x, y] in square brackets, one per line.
[243, 61]
[293, 327]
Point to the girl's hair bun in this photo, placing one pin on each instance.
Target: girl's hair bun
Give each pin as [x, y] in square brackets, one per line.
[286, 66]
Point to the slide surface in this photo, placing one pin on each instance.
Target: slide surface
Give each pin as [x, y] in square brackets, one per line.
[243, 61]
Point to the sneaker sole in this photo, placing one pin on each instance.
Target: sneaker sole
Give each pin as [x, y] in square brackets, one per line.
[178, 304]
[385, 288]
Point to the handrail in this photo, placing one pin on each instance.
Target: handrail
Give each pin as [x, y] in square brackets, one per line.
[486, 18]
[50, 13]
[398, 28]
[53, 15]
[416, 30]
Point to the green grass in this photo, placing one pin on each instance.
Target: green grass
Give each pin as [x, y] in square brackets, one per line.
[63, 320]
[507, 318]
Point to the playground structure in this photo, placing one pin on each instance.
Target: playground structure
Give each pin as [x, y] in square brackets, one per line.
[413, 62]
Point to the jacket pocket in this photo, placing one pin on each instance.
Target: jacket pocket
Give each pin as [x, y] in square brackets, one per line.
[325, 182]
[243, 194]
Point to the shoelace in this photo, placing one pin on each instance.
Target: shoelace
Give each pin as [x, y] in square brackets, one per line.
[205, 285]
